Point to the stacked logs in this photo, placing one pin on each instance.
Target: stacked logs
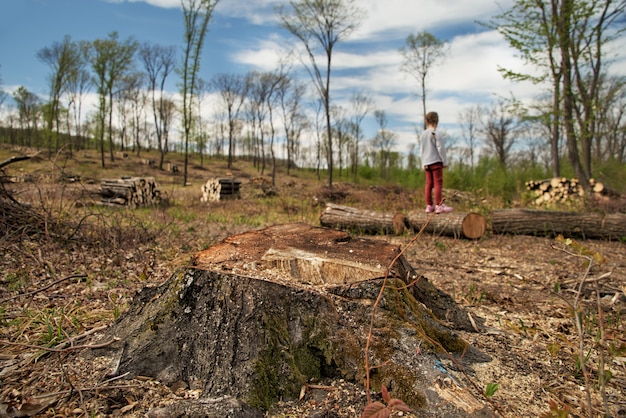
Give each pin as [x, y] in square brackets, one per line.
[554, 190]
[129, 191]
[562, 190]
[220, 188]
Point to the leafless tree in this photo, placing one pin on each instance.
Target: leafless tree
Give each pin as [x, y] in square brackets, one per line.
[361, 106]
[421, 53]
[501, 130]
[319, 25]
[197, 15]
[470, 123]
[158, 61]
[233, 90]
[383, 143]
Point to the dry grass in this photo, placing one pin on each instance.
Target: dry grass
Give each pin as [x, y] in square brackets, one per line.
[70, 267]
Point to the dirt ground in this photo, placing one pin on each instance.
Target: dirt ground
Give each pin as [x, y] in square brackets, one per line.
[523, 289]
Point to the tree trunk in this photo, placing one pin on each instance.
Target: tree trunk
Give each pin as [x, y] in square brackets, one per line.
[552, 223]
[258, 316]
[453, 224]
[364, 221]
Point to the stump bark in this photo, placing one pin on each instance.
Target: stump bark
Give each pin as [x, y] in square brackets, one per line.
[253, 319]
[553, 223]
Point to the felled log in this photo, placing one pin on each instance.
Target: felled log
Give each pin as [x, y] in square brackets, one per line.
[219, 188]
[454, 224]
[129, 191]
[364, 221]
[553, 223]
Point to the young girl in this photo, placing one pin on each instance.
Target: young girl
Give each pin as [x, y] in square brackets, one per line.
[434, 160]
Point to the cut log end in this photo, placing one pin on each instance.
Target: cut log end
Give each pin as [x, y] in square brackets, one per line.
[474, 226]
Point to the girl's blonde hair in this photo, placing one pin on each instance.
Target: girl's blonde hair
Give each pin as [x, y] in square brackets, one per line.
[432, 118]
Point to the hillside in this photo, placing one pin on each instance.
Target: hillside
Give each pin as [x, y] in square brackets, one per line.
[71, 267]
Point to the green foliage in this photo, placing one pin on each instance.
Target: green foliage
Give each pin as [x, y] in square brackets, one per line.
[490, 178]
[491, 389]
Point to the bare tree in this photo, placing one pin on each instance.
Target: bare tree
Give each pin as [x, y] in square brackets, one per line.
[421, 53]
[470, 122]
[383, 142]
[3, 94]
[501, 129]
[79, 83]
[110, 61]
[197, 15]
[319, 25]
[232, 89]
[290, 94]
[158, 61]
[361, 106]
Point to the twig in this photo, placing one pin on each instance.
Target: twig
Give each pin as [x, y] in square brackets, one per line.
[63, 350]
[34, 292]
[14, 160]
[90, 389]
[71, 340]
[379, 297]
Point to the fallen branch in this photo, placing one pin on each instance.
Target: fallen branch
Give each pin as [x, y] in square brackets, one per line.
[14, 160]
[62, 350]
[34, 292]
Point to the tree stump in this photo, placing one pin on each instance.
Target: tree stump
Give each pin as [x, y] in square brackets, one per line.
[454, 224]
[364, 221]
[254, 318]
[553, 223]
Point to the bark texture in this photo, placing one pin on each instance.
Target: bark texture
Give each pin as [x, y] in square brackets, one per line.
[553, 223]
[453, 224]
[364, 221]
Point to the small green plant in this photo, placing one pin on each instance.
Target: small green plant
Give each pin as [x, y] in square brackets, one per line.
[384, 410]
[440, 246]
[491, 389]
[473, 297]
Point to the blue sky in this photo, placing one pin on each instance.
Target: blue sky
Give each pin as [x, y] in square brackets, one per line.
[244, 35]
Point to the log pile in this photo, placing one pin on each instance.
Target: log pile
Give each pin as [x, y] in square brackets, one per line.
[216, 189]
[554, 190]
[562, 190]
[130, 191]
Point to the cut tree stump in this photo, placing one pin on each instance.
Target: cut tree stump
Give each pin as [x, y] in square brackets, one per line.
[364, 221]
[453, 224]
[258, 316]
[553, 223]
